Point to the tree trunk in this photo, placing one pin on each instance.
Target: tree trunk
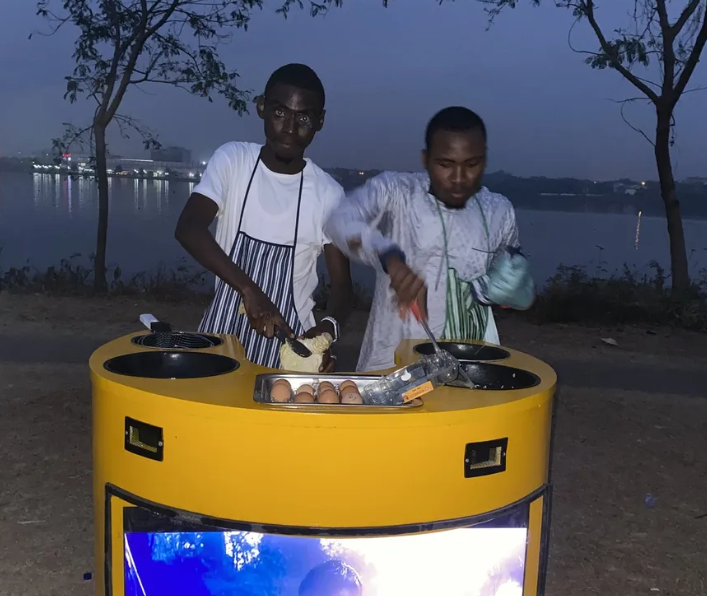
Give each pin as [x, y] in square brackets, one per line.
[678, 255]
[99, 259]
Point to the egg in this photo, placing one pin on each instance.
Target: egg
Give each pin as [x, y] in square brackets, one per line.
[281, 382]
[325, 385]
[345, 384]
[328, 396]
[306, 388]
[304, 398]
[281, 392]
[351, 396]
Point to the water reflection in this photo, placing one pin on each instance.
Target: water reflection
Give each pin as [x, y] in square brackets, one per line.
[78, 194]
[85, 190]
[69, 194]
[136, 194]
[44, 217]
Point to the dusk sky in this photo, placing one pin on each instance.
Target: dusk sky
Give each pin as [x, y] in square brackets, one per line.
[386, 71]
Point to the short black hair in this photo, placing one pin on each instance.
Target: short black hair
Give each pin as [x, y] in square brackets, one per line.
[454, 119]
[297, 75]
[329, 576]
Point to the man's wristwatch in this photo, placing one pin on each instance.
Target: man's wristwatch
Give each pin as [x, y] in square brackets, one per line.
[335, 325]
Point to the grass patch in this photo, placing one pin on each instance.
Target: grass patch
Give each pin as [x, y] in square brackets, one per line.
[573, 295]
[74, 277]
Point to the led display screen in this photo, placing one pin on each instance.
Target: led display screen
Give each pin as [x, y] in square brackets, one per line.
[481, 560]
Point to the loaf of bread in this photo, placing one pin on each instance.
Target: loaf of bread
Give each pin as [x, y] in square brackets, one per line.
[317, 345]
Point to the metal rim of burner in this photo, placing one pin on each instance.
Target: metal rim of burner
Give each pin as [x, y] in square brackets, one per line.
[465, 352]
[177, 340]
[488, 376]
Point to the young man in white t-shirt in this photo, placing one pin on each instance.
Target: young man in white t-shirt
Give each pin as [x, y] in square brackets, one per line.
[270, 203]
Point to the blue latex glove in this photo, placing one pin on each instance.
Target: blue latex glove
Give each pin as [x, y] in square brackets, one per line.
[508, 282]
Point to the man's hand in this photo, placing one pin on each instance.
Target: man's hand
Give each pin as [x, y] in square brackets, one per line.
[328, 361]
[407, 285]
[262, 314]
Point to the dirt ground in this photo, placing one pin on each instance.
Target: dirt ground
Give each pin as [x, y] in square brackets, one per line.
[613, 450]
[115, 316]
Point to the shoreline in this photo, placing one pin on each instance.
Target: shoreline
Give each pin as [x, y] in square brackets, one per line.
[126, 175]
[615, 204]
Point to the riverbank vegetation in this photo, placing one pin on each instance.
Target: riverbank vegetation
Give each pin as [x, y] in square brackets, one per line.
[626, 297]
[593, 296]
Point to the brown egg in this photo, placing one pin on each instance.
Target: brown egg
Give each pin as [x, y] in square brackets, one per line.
[328, 396]
[325, 385]
[281, 392]
[306, 388]
[304, 398]
[344, 384]
[351, 396]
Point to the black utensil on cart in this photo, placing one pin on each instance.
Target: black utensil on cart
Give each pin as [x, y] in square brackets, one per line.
[297, 346]
[163, 336]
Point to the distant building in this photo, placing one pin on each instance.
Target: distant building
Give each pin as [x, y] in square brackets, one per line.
[171, 154]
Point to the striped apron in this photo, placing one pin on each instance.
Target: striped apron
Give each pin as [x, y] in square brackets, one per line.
[464, 317]
[270, 266]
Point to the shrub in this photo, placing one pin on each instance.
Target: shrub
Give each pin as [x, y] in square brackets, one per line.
[572, 295]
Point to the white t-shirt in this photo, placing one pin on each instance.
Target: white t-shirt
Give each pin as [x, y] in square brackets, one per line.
[270, 213]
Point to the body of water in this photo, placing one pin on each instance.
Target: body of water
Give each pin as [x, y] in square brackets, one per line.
[44, 218]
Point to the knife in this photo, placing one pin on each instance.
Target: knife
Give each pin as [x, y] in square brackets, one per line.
[297, 346]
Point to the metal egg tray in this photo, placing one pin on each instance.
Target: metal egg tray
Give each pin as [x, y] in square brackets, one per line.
[264, 383]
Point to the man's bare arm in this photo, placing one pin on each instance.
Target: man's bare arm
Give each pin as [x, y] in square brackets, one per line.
[193, 234]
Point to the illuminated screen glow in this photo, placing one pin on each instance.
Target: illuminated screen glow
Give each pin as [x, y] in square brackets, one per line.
[475, 561]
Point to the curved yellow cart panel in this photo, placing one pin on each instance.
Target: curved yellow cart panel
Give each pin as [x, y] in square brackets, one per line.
[186, 448]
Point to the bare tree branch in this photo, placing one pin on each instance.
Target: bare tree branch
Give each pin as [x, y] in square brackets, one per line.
[624, 103]
[615, 62]
[692, 61]
[685, 16]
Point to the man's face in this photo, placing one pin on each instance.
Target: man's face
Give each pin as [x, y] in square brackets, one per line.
[455, 162]
[292, 117]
